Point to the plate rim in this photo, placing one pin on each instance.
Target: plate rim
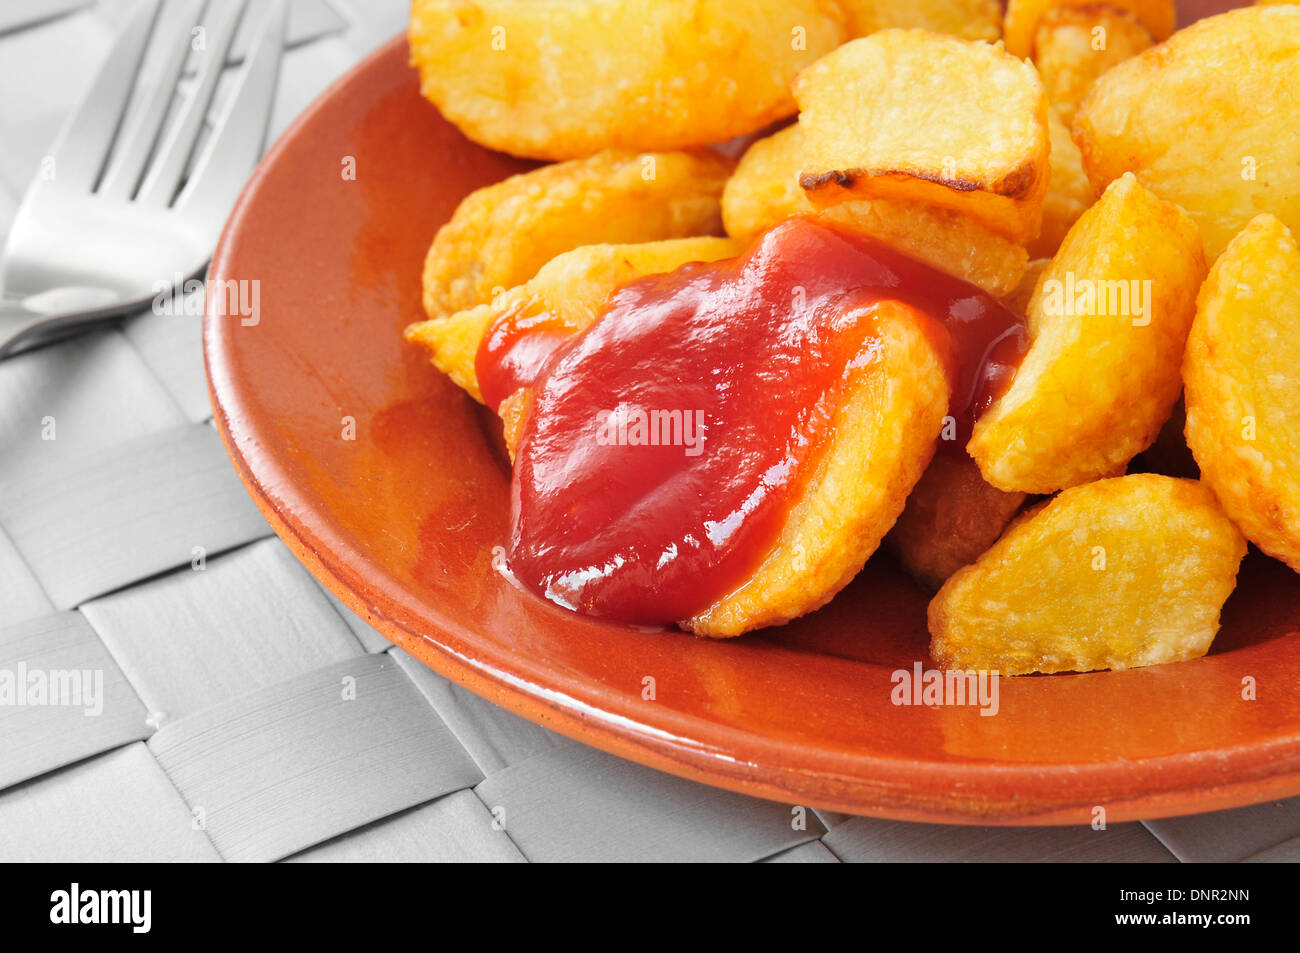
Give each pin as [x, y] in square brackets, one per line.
[893, 788]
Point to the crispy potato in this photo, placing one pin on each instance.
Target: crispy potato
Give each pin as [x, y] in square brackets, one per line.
[1207, 120]
[764, 190]
[1023, 17]
[915, 116]
[1108, 321]
[968, 19]
[1075, 45]
[1069, 193]
[558, 79]
[1115, 574]
[1242, 373]
[500, 235]
[943, 239]
[890, 418]
[572, 287]
[951, 518]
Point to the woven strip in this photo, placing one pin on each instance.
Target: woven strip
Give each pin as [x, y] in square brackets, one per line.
[1228, 835]
[118, 807]
[492, 736]
[813, 852]
[867, 839]
[286, 767]
[247, 620]
[171, 346]
[96, 523]
[23, 596]
[70, 403]
[85, 704]
[574, 803]
[1285, 853]
[456, 828]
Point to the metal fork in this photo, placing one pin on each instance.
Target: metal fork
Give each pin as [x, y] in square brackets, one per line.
[115, 223]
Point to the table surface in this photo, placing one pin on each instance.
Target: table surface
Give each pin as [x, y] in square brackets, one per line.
[246, 714]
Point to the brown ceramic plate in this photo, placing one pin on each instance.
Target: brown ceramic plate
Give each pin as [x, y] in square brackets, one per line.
[400, 522]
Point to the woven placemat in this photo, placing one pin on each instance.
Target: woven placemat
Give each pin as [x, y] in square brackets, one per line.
[233, 709]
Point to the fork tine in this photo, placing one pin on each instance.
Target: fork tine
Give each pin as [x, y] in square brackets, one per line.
[84, 143]
[127, 165]
[169, 166]
[238, 136]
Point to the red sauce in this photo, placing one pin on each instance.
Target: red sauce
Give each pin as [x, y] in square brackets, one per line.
[667, 441]
[514, 350]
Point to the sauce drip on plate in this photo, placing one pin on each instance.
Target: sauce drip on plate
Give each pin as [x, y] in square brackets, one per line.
[667, 442]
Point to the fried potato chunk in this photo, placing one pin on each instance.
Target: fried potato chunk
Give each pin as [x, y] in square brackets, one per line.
[940, 237]
[558, 79]
[1242, 373]
[1024, 16]
[881, 439]
[764, 190]
[1115, 574]
[1207, 120]
[501, 234]
[915, 116]
[951, 518]
[1075, 45]
[968, 19]
[572, 288]
[1069, 193]
[1107, 322]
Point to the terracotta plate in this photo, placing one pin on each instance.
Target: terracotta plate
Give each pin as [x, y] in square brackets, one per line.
[401, 522]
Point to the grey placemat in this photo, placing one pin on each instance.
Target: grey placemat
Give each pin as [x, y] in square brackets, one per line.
[243, 713]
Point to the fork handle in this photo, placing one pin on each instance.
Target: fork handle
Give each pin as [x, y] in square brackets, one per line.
[22, 328]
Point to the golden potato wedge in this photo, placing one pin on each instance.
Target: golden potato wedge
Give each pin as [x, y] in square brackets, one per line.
[572, 288]
[764, 190]
[1242, 373]
[1115, 574]
[940, 237]
[1075, 45]
[1207, 120]
[500, 235]
[914, 116]
[1069, 192]
[891, 417]
[968, 19]
[1107, 322]
[1023, 17]
[559, 79]
[951, 518]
